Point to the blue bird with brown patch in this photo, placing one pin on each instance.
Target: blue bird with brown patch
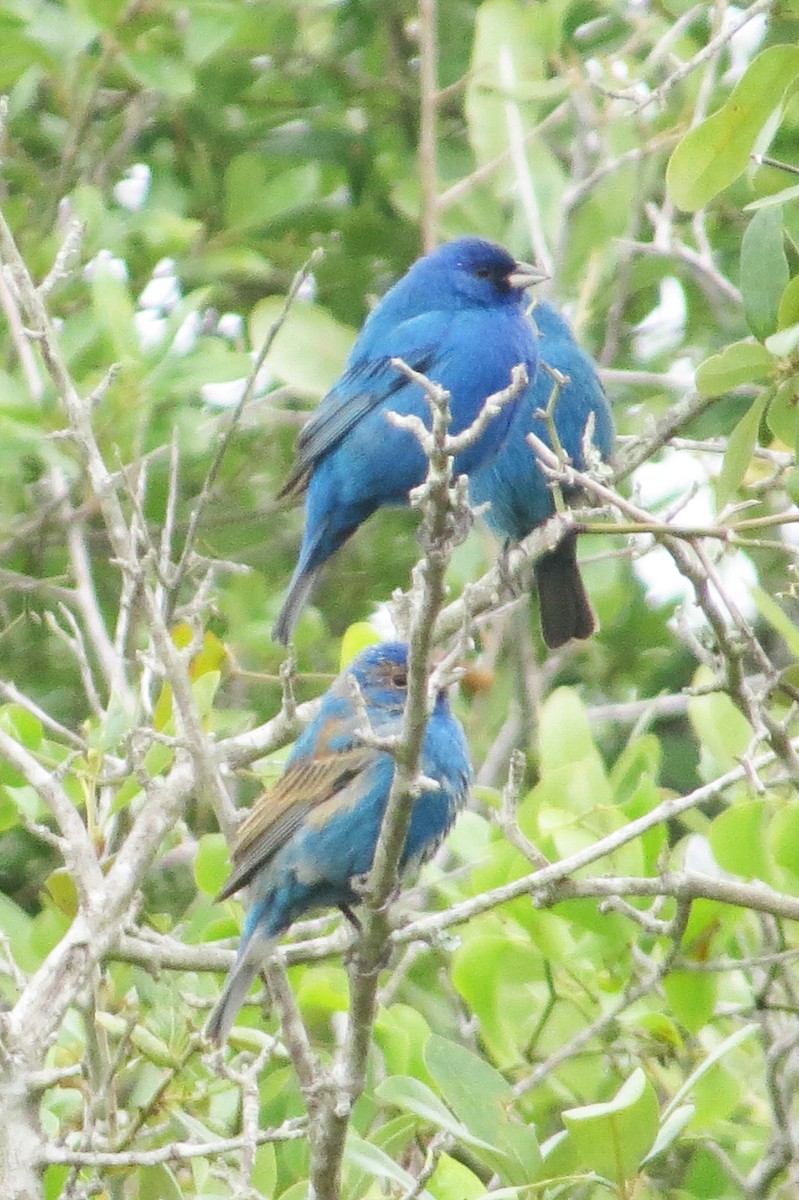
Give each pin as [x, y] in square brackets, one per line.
[310, 836]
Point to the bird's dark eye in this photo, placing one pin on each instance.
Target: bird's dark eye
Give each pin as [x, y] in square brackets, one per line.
[483, 272]
[400, 679]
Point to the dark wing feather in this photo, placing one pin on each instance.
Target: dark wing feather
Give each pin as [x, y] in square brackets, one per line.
[280, 810]
[366, 385]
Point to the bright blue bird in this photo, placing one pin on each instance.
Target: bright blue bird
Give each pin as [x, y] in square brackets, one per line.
[457, 316]
[517, 488]
[314, 832]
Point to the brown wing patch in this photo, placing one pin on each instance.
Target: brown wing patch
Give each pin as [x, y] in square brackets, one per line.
[280, 810]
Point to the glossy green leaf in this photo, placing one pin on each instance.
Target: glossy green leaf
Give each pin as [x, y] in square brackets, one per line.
[692, 997]
[737, 837]
[784, 342]
[788, 313]
[401, 1033]
[21, 725]
[377, 1163]
[479, 1096]
[212, 863]
[16, 924]
[764, 270]
[714, 153]
[613, 1137]
[740, 362]
[718, 1053]
[416, 1097]
[740, 446]
[778, 198]
[157, 1183]
[493, 972]
[723, 731]
[453, 1180]
[783, 838]
[670, 1130]
[264, 1175]
[782, 416]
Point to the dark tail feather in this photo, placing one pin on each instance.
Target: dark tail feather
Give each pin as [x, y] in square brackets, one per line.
[565, 609]
[235, 990]
[300, 588]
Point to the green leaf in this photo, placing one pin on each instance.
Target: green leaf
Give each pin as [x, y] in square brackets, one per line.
[264, 1175]
[783, 838]
[713, 154]
[778, 198]
[356, 638]
[22, 725]
[157, 1183]
[374, 1160]
[310, 350]
[479, 1096]
[416, 1097]
[784, 342]
[204, 689]
[506, 56]
[737, 839]
[212, 26]
[494, 972]
[740, 447]
[152, 1047]
[720, 1052]
[789, 305]
[452, 1180]
[670, 1130]
[212, 863]
[692, 997]
[160, 73]
[764, 270]
[768, 607]
[255, 196]
[16, 925]
[740, 362]
[114, 725]
[723, 731]
[401, 1033]
[565, 732]
[782, 417]
[612, 1138]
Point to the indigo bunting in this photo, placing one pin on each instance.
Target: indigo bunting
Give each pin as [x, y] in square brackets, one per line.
[311, 834]
[458, 317]
[518, 489]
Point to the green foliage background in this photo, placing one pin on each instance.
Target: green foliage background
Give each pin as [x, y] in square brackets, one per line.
[648, 1064]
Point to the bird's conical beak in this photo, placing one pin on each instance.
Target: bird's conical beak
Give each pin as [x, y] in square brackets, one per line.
[526, 275]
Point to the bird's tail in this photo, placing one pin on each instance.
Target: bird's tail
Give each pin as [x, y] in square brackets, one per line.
[237, 984]
[300, 588]
[565, 609]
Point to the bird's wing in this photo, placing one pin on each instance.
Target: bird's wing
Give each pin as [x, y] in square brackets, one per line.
[366, 385]
[280, 810]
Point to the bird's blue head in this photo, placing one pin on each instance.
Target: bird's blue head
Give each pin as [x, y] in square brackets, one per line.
[382, 675]
[381, 672]
[468, 273]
